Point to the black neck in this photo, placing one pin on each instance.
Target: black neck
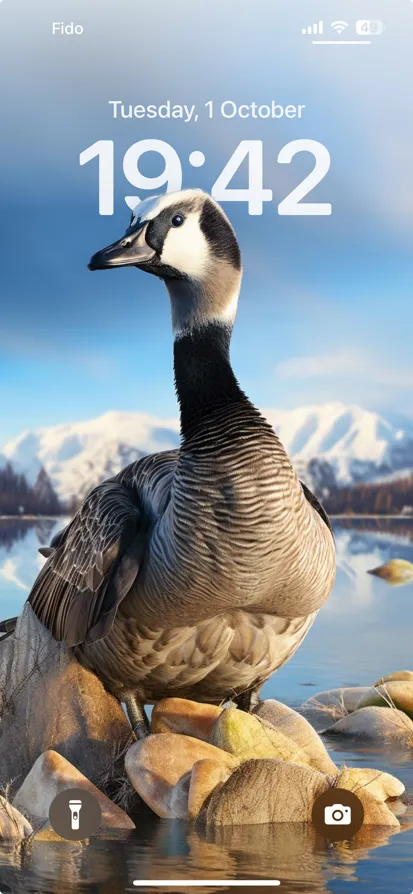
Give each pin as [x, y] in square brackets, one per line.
[204, 377]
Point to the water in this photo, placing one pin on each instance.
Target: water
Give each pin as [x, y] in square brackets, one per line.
[364, 632]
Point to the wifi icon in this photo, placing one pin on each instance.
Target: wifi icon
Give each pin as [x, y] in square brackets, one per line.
[339, 27]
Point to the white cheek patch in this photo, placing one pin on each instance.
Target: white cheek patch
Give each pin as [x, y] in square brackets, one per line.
[230, 311]
[186, 248]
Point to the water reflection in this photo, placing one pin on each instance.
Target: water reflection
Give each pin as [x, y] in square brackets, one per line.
[20, 560]
[293, 853]
[364, 630]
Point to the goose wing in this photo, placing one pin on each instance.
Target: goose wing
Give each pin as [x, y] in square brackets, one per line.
[316, 505]
[92, 565]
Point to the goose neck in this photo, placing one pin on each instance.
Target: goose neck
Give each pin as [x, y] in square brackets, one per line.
[204, 377]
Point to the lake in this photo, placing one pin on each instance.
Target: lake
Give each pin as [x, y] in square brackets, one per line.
[363, 633]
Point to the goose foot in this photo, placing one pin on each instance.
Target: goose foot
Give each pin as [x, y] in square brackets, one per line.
[249, 700]
[137, 717]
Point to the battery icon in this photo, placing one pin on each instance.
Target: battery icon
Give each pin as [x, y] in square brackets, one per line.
[369, 27]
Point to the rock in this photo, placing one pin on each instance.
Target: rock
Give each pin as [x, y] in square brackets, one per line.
[381, 785]
[156, 764]
[336, 702]
[52, 774]
[396, 572]
[13, 826]
[376, 724]
[206, 776]
[397, 675]
[179, 798]
[395, 694]
[179, 715]
[191, 791]
[297, 728]
[265, 791]
[251, 736]
[376, 813]
[274, 791]
[48, 701]
[248, 737]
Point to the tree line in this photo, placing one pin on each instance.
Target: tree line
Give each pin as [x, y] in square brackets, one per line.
[376, 498]
[17, 497]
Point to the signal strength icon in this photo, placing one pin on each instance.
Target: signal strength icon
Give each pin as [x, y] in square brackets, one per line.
[339, 27]
[318, 28]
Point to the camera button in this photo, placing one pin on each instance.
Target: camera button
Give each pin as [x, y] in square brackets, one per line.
[338, 814]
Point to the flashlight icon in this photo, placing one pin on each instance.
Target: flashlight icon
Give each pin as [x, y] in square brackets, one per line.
[75, 808]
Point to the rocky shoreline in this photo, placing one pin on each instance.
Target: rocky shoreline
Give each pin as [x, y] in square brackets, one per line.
[213, 766]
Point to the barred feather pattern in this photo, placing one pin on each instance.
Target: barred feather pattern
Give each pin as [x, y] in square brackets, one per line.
[236, 565]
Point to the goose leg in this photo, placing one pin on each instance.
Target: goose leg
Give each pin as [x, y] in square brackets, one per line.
[137, 716]
[249, 700]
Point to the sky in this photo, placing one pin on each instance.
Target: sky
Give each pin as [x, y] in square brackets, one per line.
[325, 310]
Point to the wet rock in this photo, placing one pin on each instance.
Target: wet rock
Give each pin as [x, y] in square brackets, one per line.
[381, 785]
[13, 826]
[180, 715]
[396, 694]
[297, 728]
[156, 764]
[376, 725]
[265, 791]
[335, 702]
[179, 798]
[192, 790]
[274, 791]
[376, 813]
[397, 675]
[48, 701]
[396, 572]
[52, 774]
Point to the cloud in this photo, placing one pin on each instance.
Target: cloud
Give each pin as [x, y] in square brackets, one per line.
[349, 364]
[317, 366]
[9, 572]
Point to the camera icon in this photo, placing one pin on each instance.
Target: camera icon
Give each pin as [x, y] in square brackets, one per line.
[337, 815]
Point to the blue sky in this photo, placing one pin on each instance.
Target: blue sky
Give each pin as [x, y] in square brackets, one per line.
[326, 310]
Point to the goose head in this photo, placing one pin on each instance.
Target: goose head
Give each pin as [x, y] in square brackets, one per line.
[185, 239]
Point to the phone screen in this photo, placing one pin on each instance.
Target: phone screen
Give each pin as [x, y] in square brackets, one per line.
[207, 430]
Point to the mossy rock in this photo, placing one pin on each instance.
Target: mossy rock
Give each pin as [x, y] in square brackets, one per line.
[296, 727]
[396, 572]
[394, 694]
[407, 676]
[248, 737]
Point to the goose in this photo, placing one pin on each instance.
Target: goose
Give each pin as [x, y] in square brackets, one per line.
[194, 572]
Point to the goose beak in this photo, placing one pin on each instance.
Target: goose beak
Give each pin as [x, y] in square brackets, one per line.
[130, 251]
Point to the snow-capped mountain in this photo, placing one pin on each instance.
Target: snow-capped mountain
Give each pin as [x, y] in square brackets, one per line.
[330, 445]
[79, 455]
[357, 445]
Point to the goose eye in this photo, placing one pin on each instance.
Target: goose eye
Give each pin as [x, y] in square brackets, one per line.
[177, 220]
